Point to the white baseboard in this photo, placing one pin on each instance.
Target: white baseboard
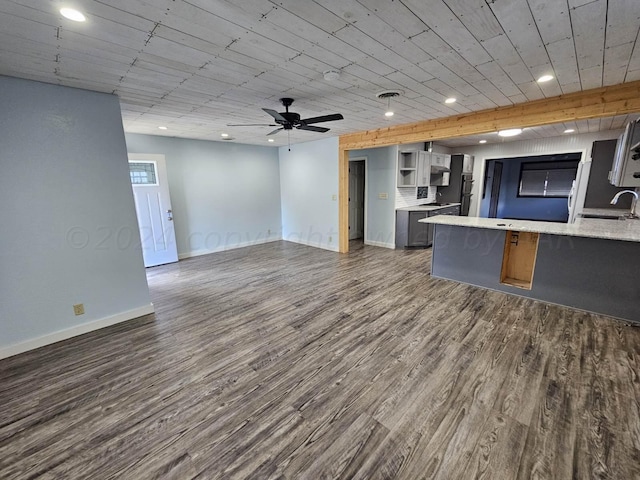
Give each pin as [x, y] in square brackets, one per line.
[380, 244]
[332, 248]
[224, 248]
[54, 337]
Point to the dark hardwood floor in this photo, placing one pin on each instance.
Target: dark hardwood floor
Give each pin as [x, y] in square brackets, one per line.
[287, 362]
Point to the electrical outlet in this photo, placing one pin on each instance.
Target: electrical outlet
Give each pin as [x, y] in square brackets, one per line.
[383, 196]
[78, 309]
[330, 238]
[334, 197]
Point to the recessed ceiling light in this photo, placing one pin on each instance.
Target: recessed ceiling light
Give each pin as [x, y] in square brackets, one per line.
[482, 141]
[271, 140]
[224, 135]
[162, 128]
[545, 78]
[451, 100]
[72, 14]
[388, 113]
[569, 130]
[512, 132]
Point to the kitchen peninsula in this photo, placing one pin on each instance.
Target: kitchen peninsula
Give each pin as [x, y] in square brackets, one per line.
[591, 265]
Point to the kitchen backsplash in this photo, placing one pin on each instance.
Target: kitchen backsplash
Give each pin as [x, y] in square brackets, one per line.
[406, 197]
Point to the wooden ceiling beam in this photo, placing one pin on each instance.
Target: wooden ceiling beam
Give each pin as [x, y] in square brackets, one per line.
[598, 102]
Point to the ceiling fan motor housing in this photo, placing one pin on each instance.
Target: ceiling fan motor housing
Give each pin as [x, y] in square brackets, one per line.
[291, 117]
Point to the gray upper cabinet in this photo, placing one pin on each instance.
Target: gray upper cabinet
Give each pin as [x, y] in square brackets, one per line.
[625, 170]
[424, 169]
[467, 164]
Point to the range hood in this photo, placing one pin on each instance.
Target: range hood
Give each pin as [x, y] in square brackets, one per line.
[439, 169]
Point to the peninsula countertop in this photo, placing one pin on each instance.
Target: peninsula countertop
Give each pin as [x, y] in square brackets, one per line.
[625, 230]
[427, 207]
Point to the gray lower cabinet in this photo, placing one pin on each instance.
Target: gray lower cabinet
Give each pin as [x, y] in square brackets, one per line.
[412, 233]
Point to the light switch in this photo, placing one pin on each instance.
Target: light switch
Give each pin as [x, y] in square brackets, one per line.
[383, 196]
[334, 197]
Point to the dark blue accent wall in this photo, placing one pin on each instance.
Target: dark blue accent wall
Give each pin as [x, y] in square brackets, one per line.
[525, 208]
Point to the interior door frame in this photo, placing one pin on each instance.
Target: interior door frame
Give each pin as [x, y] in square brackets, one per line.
[366, 190]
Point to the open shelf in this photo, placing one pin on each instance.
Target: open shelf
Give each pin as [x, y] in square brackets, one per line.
[519, 259]
[407, 177]
[407, 160]
[407, 168]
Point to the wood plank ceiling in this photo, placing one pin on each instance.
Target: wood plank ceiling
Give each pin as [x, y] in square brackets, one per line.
[194, 66]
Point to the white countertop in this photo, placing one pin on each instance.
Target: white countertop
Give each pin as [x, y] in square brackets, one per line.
[426, 208]
[613, 212]
[626, 230]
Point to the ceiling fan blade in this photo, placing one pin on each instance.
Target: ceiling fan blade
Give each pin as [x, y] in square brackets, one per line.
[323, 118]
[275, 115]
[252, 124]
[311, 128]
[275, 131]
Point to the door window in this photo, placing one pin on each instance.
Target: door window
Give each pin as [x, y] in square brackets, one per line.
[143, 173]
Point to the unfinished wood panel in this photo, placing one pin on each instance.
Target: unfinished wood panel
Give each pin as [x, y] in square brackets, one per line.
[343, 200]
[519, 259]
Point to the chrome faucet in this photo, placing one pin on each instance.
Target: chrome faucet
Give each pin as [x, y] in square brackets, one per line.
[634, 202]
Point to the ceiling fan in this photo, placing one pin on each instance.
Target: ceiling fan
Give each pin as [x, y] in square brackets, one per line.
[290, 120]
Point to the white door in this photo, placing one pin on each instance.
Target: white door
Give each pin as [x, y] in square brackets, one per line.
[153, 207]
[356, 199]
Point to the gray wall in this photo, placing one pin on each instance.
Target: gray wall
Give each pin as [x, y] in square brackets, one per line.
[224, 195]
[68, 212]
[380, 178]
[309, 193]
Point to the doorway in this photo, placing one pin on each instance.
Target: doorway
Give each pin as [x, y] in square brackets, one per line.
[148, 174]
[357, 173]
